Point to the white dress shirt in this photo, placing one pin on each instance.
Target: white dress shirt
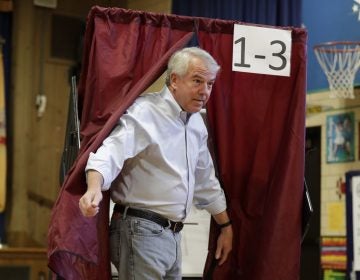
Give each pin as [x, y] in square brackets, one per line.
[157, 158]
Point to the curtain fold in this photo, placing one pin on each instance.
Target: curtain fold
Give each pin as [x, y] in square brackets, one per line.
[257, 123]
[119, 63]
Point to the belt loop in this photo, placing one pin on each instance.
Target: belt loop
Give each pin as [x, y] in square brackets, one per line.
[125, 212]
[169, 226]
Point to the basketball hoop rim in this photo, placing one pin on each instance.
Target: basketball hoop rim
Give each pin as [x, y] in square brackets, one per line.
[323, 47]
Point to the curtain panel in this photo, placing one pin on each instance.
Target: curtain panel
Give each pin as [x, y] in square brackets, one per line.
[257, 123]
[124, 53]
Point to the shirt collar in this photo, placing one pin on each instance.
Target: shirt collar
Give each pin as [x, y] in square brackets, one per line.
[176, 110]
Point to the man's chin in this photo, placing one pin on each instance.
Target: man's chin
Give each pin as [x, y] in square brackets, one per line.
[197, 108]
[194, 109]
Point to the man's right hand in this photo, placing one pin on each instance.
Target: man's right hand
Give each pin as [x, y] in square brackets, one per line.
[89, 203]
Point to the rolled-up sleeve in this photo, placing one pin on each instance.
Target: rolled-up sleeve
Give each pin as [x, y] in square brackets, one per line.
[126, 140]
[208, 193]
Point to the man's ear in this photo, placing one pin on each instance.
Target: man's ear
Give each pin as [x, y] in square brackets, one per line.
[173, 80]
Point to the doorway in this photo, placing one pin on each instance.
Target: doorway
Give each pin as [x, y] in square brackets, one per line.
[310, 249]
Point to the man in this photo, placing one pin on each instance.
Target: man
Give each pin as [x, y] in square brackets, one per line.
[156, 164]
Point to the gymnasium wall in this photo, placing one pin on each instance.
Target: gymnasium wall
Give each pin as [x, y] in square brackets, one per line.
[336, 20]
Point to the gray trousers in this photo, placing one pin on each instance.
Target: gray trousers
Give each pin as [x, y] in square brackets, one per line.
[141, 249]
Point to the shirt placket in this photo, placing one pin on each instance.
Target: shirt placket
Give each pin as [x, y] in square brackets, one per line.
[185, 117]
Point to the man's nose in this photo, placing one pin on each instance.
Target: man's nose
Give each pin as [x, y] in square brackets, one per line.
[206, 89]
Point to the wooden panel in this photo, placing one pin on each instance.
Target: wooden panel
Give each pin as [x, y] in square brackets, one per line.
[6, 5]
[33, 258]
[50, 131]
[157, 6]
[38, 138]
[21, 111]
[81, 8]
[66, 32]
[48, 128]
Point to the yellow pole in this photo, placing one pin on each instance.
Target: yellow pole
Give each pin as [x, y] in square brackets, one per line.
[2, 136]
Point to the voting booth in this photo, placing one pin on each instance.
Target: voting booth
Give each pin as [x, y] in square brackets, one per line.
[256, 118]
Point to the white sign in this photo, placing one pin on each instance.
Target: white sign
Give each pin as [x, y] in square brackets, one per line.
[261, 50]
[355, 188]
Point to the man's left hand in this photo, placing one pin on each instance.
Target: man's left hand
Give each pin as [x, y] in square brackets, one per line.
[224, 244]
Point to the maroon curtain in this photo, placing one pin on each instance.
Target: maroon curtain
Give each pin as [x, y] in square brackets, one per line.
[124, 52]
[257, 125]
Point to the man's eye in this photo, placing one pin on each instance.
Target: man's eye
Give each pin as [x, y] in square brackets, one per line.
[197, 81]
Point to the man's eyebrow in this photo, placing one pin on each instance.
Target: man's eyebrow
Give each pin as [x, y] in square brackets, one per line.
[203, 78]
[198, 76]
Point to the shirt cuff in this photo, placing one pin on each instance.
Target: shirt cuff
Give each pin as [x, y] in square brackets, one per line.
[217, 206]
[103, 171]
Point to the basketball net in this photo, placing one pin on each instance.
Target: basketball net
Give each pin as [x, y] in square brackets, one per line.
[340, 62]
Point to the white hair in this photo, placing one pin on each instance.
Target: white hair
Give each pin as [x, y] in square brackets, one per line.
[179, 62]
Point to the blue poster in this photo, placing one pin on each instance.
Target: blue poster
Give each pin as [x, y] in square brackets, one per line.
[340, 138]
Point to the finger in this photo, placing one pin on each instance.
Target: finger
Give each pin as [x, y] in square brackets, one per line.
[225, 255]
[93, 211]
[96, 201]
[222, 259]
[90, 212]
[86, 208]
[85, 201]
[82, 206]
[218, 252]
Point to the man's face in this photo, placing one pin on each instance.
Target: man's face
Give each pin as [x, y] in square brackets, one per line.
[192, 91]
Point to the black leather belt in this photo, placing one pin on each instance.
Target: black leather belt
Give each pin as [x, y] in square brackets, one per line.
[151, 216]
